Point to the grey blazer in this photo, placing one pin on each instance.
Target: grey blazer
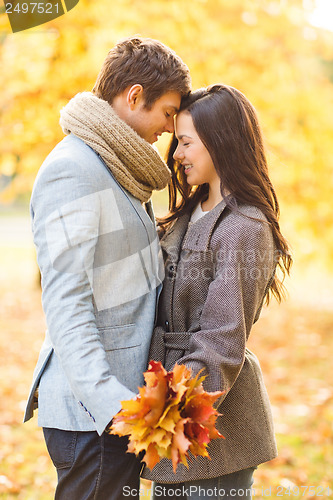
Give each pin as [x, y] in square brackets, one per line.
[98, 254]
[218, 270]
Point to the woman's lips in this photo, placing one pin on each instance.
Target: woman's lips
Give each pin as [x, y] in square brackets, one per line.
[187, 168]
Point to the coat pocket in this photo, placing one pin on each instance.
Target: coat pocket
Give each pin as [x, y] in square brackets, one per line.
[126, 354]
[120, 337]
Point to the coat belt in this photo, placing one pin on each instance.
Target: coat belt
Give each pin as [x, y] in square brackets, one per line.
[179, 340]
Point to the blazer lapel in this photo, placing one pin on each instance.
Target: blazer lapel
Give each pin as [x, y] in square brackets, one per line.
[150, 211]
[146, 216]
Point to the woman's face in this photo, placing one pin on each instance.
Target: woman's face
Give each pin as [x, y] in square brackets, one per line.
[192, 154]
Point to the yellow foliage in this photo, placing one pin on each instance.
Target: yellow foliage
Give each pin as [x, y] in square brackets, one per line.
[171, 416]
[263, 47]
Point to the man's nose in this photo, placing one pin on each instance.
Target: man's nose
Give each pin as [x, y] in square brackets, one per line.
[170, 126]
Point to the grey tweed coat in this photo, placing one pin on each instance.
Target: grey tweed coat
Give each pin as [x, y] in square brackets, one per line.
[218, 270]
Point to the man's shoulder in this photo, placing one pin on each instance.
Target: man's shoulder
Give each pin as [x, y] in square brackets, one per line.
[72, 150]
[73, 158]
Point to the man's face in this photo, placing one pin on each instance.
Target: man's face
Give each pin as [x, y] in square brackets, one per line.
[151, 123]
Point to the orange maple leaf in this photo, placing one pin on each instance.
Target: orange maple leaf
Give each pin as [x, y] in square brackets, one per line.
[171, 415]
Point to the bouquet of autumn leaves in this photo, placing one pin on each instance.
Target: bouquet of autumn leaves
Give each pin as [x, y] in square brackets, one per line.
[171, 415]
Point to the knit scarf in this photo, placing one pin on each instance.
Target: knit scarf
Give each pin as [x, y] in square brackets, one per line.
[132, 161]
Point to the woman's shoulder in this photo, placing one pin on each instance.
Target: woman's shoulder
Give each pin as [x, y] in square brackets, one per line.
[246, 213]
[245, 216]
[245, 224]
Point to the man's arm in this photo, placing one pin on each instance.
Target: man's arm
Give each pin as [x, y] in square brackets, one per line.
[66, 213]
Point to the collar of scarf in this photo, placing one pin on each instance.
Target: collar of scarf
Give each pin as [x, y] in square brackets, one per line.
[132, 161]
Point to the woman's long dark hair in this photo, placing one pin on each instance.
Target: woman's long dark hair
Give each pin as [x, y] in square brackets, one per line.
[227, 124]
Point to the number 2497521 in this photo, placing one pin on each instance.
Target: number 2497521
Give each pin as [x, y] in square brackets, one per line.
[32, 8]
[296, 491]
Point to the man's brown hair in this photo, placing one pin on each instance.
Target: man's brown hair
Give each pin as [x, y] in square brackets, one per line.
[147, 62]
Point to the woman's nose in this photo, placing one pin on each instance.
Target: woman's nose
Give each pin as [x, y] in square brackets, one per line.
[177, 155]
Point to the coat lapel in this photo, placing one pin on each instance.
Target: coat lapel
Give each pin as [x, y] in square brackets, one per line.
[173, 238]
[199, 233]
[191, 236]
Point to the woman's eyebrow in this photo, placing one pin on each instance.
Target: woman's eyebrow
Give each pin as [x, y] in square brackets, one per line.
[182, 136]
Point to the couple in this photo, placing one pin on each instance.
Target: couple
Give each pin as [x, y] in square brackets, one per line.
[98, 252]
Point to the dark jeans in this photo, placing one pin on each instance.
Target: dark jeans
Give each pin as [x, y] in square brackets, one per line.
[92, 467]
[235, 486]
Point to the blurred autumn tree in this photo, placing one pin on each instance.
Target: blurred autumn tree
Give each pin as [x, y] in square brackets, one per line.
[265, 48]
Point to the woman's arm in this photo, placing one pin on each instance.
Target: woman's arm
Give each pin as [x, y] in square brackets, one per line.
[244, 268]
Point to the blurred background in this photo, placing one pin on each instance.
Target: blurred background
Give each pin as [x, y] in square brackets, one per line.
[280, 54]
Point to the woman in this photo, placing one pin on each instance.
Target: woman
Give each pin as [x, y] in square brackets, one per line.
[222, 245]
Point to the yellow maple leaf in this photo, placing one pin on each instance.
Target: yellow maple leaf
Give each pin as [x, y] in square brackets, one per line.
[171, 416]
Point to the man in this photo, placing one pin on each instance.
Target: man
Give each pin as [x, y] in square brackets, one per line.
[97, 251]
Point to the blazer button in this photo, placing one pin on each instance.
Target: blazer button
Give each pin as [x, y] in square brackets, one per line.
[167, 329]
